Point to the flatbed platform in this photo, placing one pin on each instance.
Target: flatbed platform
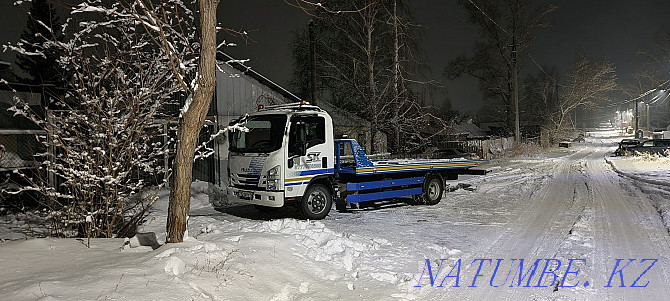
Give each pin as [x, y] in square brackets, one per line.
[362, 165]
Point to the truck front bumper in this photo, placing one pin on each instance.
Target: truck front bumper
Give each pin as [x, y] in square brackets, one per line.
[256, 197]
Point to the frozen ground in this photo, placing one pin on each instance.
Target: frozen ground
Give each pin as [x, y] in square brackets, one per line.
[562, 205]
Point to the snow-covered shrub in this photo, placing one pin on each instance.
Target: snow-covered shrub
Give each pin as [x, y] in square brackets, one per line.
[514, 150]
[106, 130]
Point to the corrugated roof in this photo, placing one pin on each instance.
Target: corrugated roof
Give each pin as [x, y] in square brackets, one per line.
[468, 128]
[240, 66]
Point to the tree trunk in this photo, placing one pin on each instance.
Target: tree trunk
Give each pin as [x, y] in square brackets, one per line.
[396, 80]
[190, 124]
[374, 114]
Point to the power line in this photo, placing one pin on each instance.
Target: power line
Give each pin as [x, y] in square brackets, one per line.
[494, 22]
[639, 96]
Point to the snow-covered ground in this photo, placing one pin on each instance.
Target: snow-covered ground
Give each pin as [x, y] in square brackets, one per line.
[566, 210]
[653, 169]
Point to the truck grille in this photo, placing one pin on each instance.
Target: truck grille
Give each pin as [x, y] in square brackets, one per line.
[245, 181]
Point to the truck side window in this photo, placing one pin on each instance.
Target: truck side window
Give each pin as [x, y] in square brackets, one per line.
[315, 132]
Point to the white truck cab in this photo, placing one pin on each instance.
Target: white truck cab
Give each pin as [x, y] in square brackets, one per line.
[286, 155]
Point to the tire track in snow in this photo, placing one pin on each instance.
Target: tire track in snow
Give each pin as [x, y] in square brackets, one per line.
[542, 226]
[625, 226]
[614, 223]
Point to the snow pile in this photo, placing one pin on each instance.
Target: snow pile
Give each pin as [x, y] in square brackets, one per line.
[322, 243]
[652, 169]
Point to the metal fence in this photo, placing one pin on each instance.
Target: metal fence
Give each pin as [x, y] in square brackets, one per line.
[205, 169]
[18, 149]
[485, 149]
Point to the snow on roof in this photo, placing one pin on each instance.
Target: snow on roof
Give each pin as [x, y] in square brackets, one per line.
[468, 128]
[244, 69]
[342, 117]
[491, 126]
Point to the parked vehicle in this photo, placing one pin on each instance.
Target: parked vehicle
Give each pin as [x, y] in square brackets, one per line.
[453, 153]
[653, 146]
[286, 154]
[623, 146]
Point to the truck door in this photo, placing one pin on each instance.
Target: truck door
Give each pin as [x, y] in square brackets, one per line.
[307, 152]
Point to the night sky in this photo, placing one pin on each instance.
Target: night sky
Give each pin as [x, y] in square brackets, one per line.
[615, 29]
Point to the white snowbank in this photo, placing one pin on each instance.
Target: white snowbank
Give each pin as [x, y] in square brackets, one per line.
[243, 259]
[652, 169]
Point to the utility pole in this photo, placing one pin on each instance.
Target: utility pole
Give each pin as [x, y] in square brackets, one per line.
[636, 119]
[576, 127]
[648, 123]
[517, 132]
[312, 57]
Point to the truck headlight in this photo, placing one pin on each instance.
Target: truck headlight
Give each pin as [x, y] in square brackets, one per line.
[273, 178]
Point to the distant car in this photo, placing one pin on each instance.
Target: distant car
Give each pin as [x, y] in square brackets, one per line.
[653, 146]
[624, 145]
[452, 153]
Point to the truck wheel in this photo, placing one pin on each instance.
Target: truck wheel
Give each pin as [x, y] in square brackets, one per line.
[316, 202]
[433, 188]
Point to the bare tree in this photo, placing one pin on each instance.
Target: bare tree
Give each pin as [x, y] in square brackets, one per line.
[655, 74]
[500, 24]
[199, 89]
[541, 98]
[588, 83]
[41, 69]
[103, 134]
[367, 60]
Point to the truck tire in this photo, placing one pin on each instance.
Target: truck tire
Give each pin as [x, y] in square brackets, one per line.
[433, 189]
[316, 202]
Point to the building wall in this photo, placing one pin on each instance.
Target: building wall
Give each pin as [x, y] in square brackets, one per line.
[238, 94]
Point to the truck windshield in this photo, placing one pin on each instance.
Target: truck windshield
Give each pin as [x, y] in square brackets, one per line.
[265, 135]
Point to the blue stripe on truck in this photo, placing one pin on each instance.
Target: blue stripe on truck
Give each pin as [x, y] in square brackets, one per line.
[383, 184]
[356, 198]
[316, 172]
[295, 183]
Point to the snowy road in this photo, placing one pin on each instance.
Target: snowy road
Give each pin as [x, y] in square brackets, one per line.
[583, 210]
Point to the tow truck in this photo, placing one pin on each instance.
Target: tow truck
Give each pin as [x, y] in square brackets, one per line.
[287, 154]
